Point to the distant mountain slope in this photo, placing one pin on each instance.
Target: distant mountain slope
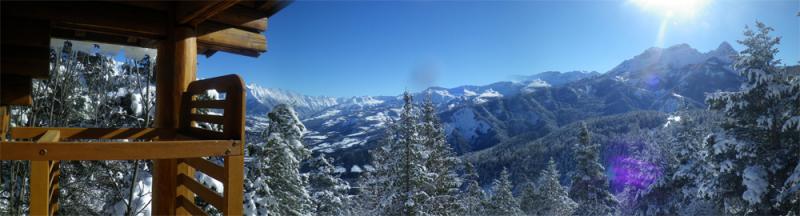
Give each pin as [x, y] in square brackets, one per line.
[260, 100]
[479, 118]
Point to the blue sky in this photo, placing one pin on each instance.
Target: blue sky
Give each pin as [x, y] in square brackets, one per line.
[354, 48]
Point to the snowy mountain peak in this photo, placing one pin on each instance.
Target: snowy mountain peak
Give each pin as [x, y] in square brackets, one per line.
[676, 56]
[260, 100]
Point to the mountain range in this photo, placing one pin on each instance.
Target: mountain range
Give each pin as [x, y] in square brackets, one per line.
[480, 120]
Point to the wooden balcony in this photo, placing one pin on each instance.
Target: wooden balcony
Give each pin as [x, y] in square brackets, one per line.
[186, 146]
[179, 30]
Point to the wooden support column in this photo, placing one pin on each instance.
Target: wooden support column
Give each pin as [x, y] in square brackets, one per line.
[234, 185]
[41, 180]
[5, 118]
[177, 67]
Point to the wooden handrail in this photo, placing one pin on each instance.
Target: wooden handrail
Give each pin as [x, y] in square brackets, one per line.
[95, 133]
[43, 151]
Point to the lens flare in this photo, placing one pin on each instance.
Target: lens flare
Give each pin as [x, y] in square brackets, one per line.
[673, 8]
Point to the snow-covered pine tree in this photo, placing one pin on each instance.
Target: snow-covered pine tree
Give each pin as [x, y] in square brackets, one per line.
[529, 199]
[589, 183]
[283, 153]
[758, 149]
[549, 198]
[328, 191]
[441, 164]
[503, 201]
[400, 176]
[473, 197]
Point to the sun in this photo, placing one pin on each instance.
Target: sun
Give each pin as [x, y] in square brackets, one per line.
[683, 9]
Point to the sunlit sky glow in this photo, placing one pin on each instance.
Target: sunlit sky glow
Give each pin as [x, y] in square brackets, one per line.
[350, 48]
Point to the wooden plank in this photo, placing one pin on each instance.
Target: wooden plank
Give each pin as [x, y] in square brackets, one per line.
[196, 12]
[185, 170]
[273, 6]
[71, 34]
[189, 206]
[234, 185]
[104, 17]
[40, 177]
[214, 119]
[243, 17]
[202, 191]
[117, 150]
[95, 133]
[50, 136]
[15, 90]
[217, 104]
[234, 112]
[164, 186]
[5, 118]
[229, 39]
[39, 188]
[203, 134]
[205, 166]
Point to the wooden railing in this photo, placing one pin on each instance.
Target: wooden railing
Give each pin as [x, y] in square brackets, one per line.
[189, 143]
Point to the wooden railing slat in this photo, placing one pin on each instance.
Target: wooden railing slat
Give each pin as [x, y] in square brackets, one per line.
[214, 104]
[189, 206]
[203, 133]
[208, 118]
[207, 167]
[203, 192]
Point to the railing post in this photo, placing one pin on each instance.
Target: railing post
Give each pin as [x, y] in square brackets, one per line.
[40, 187]
[42, 178]
[234, 185]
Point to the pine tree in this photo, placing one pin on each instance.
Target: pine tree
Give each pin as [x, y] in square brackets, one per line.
[473, 197]
[589, 183]
[328, 192]
[758, 149]
[401, 176]
[283, 153]
[441, 164]
[550, 198]
[502, 201]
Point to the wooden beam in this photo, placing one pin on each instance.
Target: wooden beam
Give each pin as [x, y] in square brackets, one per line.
[243, 17]
[15, 90]
[203, 192]
[40, 176]
[272, 6]
[223, 38]
[5, 118]
[196, 12]
[189, 206]
[215, 171]
[96, 133]
[71, 34]
[40, 151]
[105, 17]
[39, 188]
[234, 185]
